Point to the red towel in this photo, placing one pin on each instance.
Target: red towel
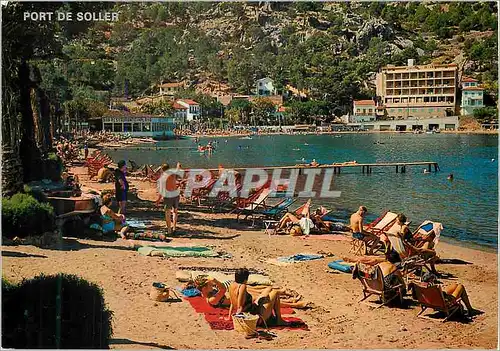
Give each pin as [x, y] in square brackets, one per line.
[216, 317]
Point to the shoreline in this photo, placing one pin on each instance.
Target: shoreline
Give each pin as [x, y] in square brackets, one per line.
[136, 140]
[335, 322]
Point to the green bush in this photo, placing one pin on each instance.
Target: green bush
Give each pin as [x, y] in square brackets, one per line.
[59, 311]
[37, 194]
[23, 215]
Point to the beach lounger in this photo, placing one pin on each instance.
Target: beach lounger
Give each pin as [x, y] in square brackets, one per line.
[433, 297]
[250, 209]
[373, 284]
[277, 210]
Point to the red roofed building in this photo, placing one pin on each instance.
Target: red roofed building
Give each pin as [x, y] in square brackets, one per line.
[364, 111]
[193, 111]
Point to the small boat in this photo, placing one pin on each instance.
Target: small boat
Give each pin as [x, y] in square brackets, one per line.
[147, 140]
[246, 138]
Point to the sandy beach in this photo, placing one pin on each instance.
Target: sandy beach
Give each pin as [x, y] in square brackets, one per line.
[337, 321]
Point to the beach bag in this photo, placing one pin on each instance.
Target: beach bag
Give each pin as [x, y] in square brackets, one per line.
[245, 323]
[159, 292]
[295, 230]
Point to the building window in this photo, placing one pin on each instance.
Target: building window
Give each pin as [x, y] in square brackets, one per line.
[393, 110]
[127, 127]
[431, 110]
[136, 127]
[146, 127]
[370, 110]
[117, 128]
[108, 127]
[400, 110]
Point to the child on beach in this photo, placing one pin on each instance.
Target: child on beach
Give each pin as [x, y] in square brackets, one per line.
[112, 222]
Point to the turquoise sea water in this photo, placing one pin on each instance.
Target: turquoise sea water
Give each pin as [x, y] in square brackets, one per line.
[467, 206]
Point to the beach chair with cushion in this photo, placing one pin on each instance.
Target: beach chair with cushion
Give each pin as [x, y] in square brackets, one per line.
[433, 297]
[374, 284]
[277, 210]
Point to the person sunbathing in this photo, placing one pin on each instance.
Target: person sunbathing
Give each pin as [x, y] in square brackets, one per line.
[266, 306]
[322, 226]
[293, 218]
[398, 250]
[112, 222]
[451, 292]
[217, 293]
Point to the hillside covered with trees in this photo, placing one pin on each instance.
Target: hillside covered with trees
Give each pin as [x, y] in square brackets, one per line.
[329, 50]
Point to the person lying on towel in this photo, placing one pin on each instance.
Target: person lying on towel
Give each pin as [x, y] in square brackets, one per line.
[112, 222]
[266, 306]
[217, 293]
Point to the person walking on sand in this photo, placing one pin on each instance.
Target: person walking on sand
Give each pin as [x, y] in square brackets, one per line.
[168, 182]
[121, 186]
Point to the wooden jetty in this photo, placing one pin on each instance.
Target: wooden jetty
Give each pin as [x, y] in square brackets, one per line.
[400, 167]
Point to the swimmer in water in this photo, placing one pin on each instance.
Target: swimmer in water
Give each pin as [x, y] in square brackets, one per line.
[450, 176]
[426, 171]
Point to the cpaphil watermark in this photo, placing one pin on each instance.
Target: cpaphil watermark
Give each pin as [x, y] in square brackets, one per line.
[64, 16]
[306, 182]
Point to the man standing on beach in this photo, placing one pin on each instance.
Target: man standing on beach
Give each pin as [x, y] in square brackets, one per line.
[121, 186]
[168, 183]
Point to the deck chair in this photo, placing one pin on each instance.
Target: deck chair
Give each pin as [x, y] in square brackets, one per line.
[373, 284]
[199, 194]
[433, 297]
[412, 261]
[250, 209]
[427, 232]
[277, 210]
[371, 244]
[382, 223]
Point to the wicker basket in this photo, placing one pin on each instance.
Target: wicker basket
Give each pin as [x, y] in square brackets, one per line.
[159, 292]
[245, 323]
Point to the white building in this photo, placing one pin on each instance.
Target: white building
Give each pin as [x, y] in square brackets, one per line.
[137, 124]
[265, 87]
[171, 89]
[180, 113]
[364, 111]
[193, 109]
[410, 124]
[472, 96]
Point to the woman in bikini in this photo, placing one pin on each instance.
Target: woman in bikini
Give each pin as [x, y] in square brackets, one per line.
[217, 293]
[268, 307]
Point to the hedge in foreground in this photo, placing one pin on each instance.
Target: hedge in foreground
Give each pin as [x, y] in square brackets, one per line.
[23, 215]
[59, 311]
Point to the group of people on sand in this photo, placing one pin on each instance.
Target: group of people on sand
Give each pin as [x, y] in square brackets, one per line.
[238, 297]
[397, 248]
[303, 222]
